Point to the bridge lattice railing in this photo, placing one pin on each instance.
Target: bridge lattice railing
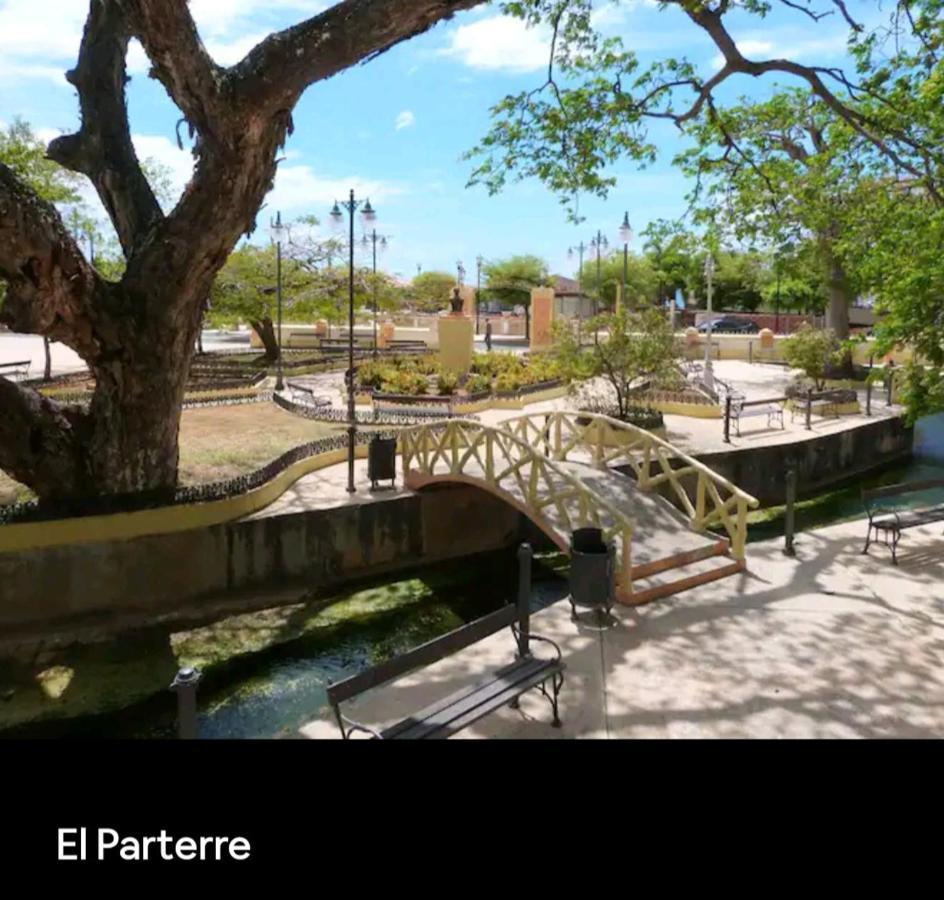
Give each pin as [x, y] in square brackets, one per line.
[705, 496]
[555, 499]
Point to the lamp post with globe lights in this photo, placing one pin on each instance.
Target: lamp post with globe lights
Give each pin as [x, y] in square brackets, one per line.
[709, 379]
[374, 239]
[626, 235]
[277, 231]
[337, 217]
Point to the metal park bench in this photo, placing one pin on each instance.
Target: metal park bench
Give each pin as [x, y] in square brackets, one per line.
[891, 522]
[405, 346]
[306, 395]
[737, 407]
[18, 371]
[822, 403]
[501, 687]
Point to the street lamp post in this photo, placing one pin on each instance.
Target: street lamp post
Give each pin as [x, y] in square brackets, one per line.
[373, 239]
[626, 235]
[478, 288]
[580, 249]
[777, 300]
[369, 216]
[709, 378]
[278, 231]
[598, 244]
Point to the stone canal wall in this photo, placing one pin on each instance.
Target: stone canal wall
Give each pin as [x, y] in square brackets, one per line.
[821, 462]
[164, 574]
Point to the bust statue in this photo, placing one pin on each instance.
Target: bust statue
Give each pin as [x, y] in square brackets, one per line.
[456, 300]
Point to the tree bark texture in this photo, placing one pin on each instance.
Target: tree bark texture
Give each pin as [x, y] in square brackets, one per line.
[138, 335]
[266, 331]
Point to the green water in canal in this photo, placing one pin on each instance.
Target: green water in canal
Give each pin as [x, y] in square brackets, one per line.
[264, 672]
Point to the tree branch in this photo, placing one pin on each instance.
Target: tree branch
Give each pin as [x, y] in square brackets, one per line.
[51, 288]
[181, 63]
[40, 442]
[277, 71]
[711, 21]
[102, 149]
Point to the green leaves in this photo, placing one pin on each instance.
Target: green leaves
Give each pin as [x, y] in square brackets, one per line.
[25, 153]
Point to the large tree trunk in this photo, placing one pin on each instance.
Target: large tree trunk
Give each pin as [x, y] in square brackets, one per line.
[266, 331]
[138, 335]
[838, 292]
[839, 295]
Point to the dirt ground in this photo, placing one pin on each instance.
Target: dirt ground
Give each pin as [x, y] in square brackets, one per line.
[220, 442]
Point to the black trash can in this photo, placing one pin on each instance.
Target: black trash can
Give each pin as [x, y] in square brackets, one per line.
[382, 461]
[591, 570]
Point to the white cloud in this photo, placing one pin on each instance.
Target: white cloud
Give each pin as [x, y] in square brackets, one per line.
[39, 39]
[299, 187]
[788, 45]
[216, 18]
[179, 163]
[499, 42]
[405, 120]
[230, 52]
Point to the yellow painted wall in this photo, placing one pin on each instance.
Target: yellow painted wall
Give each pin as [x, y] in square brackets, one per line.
[165, 519]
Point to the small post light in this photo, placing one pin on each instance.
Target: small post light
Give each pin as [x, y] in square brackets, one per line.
[185, 686]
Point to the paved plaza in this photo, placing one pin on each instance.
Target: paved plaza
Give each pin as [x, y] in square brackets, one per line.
[830, 644]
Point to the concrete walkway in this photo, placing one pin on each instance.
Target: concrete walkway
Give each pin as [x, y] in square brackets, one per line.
[830, 644]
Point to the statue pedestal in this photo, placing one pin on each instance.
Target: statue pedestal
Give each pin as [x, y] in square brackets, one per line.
[456, 340]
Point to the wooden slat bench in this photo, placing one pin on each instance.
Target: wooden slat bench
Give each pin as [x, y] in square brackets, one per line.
[502, 687]
[18, 370]
[407, 346]
[821, 402]
[305, 394]
[891, 522]
[741, 408]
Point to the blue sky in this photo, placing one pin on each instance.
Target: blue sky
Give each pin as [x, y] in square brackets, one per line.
[396, 128]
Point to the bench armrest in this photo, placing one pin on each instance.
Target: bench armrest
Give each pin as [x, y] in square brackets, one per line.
[356, 726]
[538, 637]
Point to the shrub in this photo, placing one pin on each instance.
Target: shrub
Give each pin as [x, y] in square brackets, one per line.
[447, 382]
[813, 350]
[508, 382]
[403, 382]
[371, 375]
[478, 384]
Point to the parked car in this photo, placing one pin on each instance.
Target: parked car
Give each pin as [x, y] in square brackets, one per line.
[730, 325]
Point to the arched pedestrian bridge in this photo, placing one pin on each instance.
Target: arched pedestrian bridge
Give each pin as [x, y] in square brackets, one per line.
[559, 470]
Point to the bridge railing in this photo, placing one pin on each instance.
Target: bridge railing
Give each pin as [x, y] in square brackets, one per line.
[705, 496]
[556, 500]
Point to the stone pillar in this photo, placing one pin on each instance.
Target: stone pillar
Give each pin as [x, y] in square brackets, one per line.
[542, 317]
[456, 340]
[691, 342]
[321, 328]
[385, 334]
[767, 341]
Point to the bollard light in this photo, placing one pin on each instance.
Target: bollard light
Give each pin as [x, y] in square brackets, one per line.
[185, 686]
